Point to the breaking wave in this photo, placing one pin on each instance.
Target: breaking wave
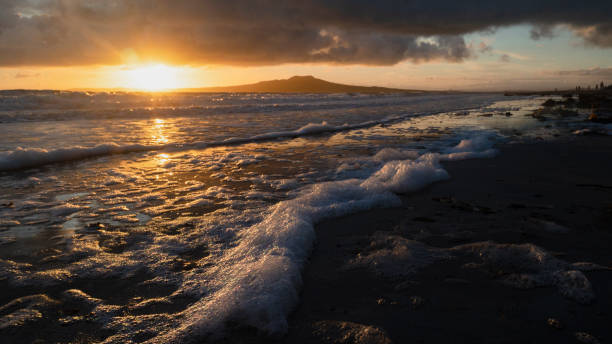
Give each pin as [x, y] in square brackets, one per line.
[22, 158]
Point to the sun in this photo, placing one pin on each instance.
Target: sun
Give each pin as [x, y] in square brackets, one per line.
[157, 77]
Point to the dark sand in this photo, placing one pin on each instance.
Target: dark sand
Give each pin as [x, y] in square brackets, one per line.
[521, 196]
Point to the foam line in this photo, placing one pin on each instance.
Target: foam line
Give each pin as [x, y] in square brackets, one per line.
[257, 281]
[22, 158]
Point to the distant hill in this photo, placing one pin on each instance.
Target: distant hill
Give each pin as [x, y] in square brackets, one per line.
[299, 84]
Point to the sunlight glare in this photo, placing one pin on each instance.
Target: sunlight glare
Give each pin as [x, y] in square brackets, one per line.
[162, 158]
[158, 132]
[156, 77]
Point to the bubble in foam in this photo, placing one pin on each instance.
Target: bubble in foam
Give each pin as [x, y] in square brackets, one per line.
[406, 175]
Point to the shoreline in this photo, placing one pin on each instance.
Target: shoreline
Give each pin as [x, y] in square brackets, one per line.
[549, 195]
[418, 272]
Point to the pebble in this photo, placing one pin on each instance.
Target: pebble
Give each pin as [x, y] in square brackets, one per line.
[554, 323]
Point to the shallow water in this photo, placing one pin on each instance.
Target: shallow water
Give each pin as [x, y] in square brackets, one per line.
[202, 206]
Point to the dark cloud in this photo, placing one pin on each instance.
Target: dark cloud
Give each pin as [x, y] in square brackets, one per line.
[542, 31]
[387, 48]
[8, 18]
[263, 32]
[597, 35]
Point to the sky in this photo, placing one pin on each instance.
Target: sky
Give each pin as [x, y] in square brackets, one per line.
[432, 45]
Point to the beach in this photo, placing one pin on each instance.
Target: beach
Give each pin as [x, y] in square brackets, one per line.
[367, 281]
[347, 172]
[207, 218]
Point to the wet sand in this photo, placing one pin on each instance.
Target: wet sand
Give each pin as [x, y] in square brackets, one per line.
[555, 195]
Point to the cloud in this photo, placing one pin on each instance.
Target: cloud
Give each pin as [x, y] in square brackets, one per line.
[266, 32]
[603, 73]
[23, 75]
[7, 16]
[596, 35]
[542, 31]
[506, 55]
[484, 48]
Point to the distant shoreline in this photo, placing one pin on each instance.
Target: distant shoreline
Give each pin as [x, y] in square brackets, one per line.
[310, 85]
[296, 84]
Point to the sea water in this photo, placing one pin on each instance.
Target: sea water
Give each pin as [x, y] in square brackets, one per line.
[167, 216]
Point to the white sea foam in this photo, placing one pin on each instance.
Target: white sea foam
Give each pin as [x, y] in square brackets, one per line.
[257, 281]
[389, 154]
[285, 184]
[476, 147]
[31, 157]
[21, 158]
[324, 127]
[43, 106]
[521, 266]
[401, 176]
[66, 209]
[528, 266]
[362, 166]
[310, 128]
[392, 256]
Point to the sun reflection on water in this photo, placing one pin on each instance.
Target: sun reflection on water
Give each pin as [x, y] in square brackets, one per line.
[162, 158]
[158, 135]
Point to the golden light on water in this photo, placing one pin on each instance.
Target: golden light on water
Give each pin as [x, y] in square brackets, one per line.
[158, 132]
[162, 158]
[156, 77]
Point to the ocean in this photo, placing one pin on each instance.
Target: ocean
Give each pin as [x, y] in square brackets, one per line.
[163, 217]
